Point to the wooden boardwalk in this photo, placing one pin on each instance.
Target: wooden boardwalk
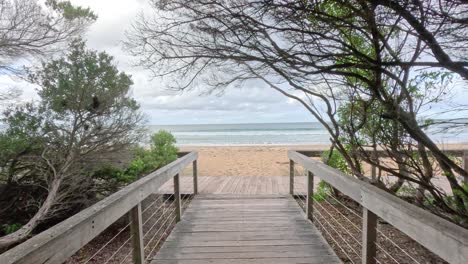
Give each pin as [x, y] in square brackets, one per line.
[243, 229]
[247, 185]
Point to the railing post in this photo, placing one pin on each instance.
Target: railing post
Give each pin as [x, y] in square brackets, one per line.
[373, 167]
[465, 164]
[310, 196]
[369, 236]
[136, 229]
[195, 177]
[373, 172]
[291, 177]
[177, 197]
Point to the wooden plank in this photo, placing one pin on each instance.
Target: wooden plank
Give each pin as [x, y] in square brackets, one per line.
[177, 202]
[249, 248]
[308, 260]
[195, 176]
[251, 185]
[246, 243]
[310, 196]
[136, 229]
[369, 237]
[380, 153]
[291, 177]
[465, 164]
[292, 253]
[57, 244]
[245, 229]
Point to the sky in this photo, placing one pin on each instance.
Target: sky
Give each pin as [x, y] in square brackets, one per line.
[252, 103]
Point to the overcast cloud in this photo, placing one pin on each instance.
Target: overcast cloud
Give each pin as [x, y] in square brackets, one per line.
[254, 102]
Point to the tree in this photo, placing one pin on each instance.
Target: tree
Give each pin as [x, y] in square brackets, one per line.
[31, 29]
[329, 55]
[85, 118]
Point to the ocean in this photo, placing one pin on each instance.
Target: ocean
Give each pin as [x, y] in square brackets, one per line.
[307, 133]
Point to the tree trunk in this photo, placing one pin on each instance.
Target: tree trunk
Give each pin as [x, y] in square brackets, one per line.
[24, 232]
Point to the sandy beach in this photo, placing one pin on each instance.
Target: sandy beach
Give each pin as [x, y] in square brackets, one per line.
[254, 160]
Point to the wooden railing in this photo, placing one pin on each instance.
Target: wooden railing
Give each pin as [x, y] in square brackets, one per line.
[57, 244]
[438, 235]
[462, 153]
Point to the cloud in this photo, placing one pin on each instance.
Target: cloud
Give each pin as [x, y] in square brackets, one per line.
[254, 102]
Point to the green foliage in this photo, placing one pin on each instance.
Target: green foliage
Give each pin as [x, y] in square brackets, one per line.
[336, 160]
[162, 151]
[71, 12]
[323, 191]
[407, 190]
[10, 228]
[84, 81]
[76, 136]
[162, 147]
[462, 195]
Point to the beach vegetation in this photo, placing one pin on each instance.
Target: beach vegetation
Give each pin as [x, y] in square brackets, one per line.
[323, 191]
[162, 151]
[10, 228]
[53, 148]
[366, 70]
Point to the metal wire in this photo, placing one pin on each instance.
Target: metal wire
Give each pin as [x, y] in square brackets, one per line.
[334, 219]
[165, 230]
[149, 206]
[161, 217]
[128, 254]
[155, 211]
[380, 232]
[386, 252]
[342, 238]
[161, 226]
[336, 243]
[402, 250]
[349, 220]
[357, 228]
[345, 206]
[159, 240]
[107, 243]
[115, 253]
[116, 235]
[163, 206]
[326, 230]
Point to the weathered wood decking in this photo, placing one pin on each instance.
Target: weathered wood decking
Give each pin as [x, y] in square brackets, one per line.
[247, 185]
[241, 229]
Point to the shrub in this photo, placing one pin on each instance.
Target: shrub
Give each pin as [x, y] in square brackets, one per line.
[8, 229]
[336, 160]
[323, 191]
[162, 151]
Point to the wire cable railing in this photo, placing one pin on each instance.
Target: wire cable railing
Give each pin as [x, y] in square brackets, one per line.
[159, 218]
[340, 218]
[118, 228]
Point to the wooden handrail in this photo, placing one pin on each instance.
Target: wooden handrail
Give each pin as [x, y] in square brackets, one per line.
[463, 153]
[447, 240]
[381, 153]
[58, 243]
